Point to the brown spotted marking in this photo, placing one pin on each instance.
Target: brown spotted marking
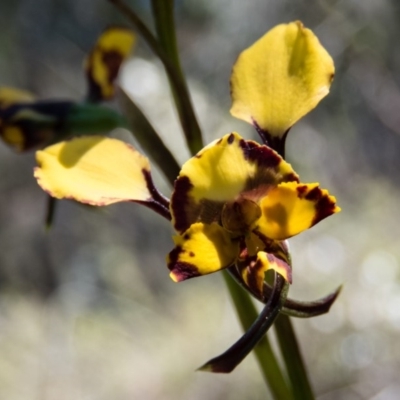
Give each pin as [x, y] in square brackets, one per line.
[324, 208]
[301, 191]
[179, 201]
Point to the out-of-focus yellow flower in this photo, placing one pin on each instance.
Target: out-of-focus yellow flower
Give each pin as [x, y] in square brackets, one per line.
[104, 61]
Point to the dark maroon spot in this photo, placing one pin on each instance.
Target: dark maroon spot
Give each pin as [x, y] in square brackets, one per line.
[174, 256]
[179, 200]
[198, 155]
[186, 236]
[191, 254]
[274, 142]
[301, 190]
[219, 141]
[183, 271]
[324, 208]
[113, 61]
[292, 177]
[231, 138]
[262, 155]
[252, 277]
[314, 194]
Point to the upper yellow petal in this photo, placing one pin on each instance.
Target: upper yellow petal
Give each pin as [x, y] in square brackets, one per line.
[291, 208]
[202, 249]
[102, 65]
[219, 173]
[94, 170]
[280, 78]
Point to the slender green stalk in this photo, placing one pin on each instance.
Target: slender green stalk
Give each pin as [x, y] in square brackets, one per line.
[163, 12]
[247, 314]
[148, 138]
[168, 56]
[293, 360]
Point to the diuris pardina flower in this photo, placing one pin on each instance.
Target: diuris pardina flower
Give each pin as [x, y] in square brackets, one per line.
[236, 202]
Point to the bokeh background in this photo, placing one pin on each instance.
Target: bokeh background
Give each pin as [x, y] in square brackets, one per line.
[87, 310]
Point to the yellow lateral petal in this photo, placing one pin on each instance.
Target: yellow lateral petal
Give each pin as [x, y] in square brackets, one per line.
[201, 250]
[291, 208]
[102, 65]
[219, 173]
[93, 170]
[280, 78]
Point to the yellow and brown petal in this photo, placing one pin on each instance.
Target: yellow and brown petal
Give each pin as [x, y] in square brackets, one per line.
[104, 61]
[202, 249]
[291, 208]
[280, 78]
[253, 269]
[219, 173]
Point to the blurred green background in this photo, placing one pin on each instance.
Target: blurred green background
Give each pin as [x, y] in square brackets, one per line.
[87, 310]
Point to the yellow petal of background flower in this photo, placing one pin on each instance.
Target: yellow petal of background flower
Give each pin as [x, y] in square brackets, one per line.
[10, 96]
[292, 207]
[219, 173]
[201, 250]
[102, 65]
[280, 78]
[93, 170]
[254, 273]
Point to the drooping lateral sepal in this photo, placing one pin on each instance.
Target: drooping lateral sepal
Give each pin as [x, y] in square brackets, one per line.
[104, 61]
[291, 307]
[202, 249]
[309, 309]
[227, 361]
[94, 170]
[280, 78]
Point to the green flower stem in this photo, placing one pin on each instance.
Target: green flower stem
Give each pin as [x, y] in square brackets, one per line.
[163, 12]
[247, 314]
[148, 138]
[169, 56]
[293, 360]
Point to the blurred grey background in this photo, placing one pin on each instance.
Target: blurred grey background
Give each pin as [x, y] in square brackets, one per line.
[87, 310]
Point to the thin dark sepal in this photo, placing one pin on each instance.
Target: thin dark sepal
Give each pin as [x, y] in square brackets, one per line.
[157, 207]
[227, 361]
[157, 202]
[309, 309]
[275, 142]
[291, 307]
[155, 194]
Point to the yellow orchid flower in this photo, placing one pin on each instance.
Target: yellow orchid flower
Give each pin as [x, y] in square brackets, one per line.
[234, 203]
